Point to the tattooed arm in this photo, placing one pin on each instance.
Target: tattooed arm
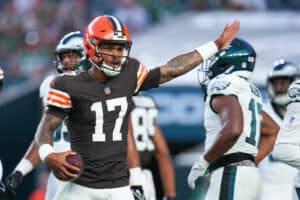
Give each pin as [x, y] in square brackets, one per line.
[186, 62]
[46, 128]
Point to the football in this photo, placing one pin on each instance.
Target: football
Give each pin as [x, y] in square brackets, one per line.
[75, 160]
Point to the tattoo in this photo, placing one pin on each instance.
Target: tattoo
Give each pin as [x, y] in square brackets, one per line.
[179, 65]
[47, 126]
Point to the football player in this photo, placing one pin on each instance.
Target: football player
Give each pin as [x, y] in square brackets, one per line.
[278, 177]
[97, 104]
[68, 56]
[233, 114]
[151, 145]
[287, 146]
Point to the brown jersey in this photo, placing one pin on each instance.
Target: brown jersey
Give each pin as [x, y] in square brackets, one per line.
[97, 119]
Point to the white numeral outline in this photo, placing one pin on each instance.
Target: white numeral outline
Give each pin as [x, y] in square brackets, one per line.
[112, 104]
[145, 130]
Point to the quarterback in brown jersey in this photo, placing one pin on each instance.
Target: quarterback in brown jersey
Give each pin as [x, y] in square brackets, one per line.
[96, 105]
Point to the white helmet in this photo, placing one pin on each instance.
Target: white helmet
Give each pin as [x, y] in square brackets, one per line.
[281, 69]
[70, 42]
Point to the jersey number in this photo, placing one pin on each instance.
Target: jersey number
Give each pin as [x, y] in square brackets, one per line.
[143, 124]
[255, 109]
[99, 135]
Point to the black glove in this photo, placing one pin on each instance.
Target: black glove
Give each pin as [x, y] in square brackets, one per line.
[2, 190]
[12, 182]
[138, 192]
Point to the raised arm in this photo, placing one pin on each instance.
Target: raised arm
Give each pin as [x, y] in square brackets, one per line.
[188, 61]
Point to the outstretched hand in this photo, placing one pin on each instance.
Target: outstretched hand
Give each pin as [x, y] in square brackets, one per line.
[229, 33]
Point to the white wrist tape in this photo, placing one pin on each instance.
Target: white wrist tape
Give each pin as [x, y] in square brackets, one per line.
[203, 163]
[136, 176]
[24, 166]
[207, 50]
[45, 150]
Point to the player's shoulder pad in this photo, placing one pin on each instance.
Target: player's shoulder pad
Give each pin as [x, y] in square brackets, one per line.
[45, 85]
[47, 80]
[294, 92]
[222, 84]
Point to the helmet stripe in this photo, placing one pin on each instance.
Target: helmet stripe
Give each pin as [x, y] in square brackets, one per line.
[70, 36]
[117, 25]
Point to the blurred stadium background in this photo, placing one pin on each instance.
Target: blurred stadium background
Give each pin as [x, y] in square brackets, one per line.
[161, 29]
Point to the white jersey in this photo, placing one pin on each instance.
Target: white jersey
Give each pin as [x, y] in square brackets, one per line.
[289, 130]
[250, 101]
[275, 171]
[278, 177]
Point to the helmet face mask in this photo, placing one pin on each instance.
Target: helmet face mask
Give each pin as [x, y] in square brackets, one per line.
[283, 73]
[107, 31]
[239, 58]
[71, 45]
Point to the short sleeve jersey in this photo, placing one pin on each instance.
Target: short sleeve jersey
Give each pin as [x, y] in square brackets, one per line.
[250, 101]
[289, 130]
[61, 141]
[144, 117]
[96, 115]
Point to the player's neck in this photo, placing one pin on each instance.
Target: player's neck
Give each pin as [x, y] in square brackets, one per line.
[97, 74]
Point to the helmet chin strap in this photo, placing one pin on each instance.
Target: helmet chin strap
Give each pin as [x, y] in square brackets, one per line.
[106, 69]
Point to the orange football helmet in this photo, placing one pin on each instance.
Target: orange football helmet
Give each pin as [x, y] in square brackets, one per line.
[106, 29]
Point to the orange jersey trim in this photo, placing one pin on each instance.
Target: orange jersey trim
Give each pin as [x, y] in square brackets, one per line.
[141, 76]
[59, 99]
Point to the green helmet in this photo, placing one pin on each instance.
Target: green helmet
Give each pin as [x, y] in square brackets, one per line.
[239, 58]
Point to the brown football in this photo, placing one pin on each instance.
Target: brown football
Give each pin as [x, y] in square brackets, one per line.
[75, 160]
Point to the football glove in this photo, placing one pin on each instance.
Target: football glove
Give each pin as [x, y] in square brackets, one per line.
[2, 190]
[199, 169]
[12, 182]
[138, 192]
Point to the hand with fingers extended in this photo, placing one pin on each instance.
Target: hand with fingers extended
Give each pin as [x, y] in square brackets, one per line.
[60, 167]
[229, 33]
